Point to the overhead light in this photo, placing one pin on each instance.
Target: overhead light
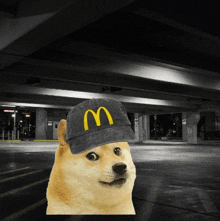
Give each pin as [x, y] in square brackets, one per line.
[10, 111]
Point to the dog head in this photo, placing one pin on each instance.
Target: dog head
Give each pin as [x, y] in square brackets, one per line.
[104, 173]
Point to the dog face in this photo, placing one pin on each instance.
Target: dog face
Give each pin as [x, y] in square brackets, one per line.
[102, 174]
[109, 166]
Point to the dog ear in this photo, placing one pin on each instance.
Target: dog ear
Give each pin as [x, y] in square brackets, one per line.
[62, 133]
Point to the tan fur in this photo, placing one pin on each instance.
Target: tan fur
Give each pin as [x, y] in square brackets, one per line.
[74, 186]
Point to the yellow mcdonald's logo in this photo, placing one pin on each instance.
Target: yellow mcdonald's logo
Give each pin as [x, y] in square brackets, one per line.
[97, 117]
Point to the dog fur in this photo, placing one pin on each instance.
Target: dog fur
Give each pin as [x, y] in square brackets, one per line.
[75, 188]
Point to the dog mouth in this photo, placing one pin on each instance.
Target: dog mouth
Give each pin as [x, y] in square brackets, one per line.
[118, 182]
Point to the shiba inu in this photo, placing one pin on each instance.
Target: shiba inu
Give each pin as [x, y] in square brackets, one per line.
[93, 172]
[96, 181]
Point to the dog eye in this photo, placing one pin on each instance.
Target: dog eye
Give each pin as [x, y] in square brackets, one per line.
[117, 151]
[92, 156]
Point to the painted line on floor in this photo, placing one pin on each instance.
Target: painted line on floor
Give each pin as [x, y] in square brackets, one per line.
[11, 171]
[207, 203]
[22, 175]
[23, 188]
[25, 210]
[46, 140]
[9, 141]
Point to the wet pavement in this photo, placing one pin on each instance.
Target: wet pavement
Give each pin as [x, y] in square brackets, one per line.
[174, 182]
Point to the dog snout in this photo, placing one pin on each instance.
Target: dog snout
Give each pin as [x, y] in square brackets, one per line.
[120, 168]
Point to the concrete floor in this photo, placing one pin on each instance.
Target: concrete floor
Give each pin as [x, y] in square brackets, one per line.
[174, 182]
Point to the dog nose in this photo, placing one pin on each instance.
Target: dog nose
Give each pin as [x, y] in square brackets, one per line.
[119, 168]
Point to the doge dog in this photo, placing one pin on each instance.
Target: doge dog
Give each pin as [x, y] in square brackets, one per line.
[97, 181]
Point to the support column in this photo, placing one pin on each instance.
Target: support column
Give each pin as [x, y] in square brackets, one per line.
[41, 124]
[146, 127]
[192, 120]
[136, 127]
[140, 128]
[14, 126]
[184, 134]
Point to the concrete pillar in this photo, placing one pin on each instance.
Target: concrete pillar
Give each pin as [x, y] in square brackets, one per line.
[140, 128]
[192, 120]
[41, 124]
[14, 126]
[146, 127]
[184, 134]
[136, 127]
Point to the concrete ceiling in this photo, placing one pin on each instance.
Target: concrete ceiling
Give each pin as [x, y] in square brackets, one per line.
[155, 56]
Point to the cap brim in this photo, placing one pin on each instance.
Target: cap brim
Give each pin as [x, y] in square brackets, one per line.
[98, 138]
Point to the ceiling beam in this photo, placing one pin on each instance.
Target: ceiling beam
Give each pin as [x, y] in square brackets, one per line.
[68, 85]
[135, 65]
[30, 105]
[132, 108]
[112, 80]
[23, 89]
[143, 11]
[44, 101]
[142, 77]
[109, 54]
[24, 34]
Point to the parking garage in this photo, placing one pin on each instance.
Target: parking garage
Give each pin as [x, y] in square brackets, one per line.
[159, 59]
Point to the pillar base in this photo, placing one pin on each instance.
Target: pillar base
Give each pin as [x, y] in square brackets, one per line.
[41, 124]
[189, 127]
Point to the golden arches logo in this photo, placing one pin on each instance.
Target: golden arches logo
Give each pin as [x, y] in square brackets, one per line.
[97, 117]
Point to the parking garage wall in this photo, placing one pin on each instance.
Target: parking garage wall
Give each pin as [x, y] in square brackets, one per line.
[45, 119]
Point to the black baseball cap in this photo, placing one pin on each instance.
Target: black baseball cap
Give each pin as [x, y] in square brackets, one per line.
[97, 122]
